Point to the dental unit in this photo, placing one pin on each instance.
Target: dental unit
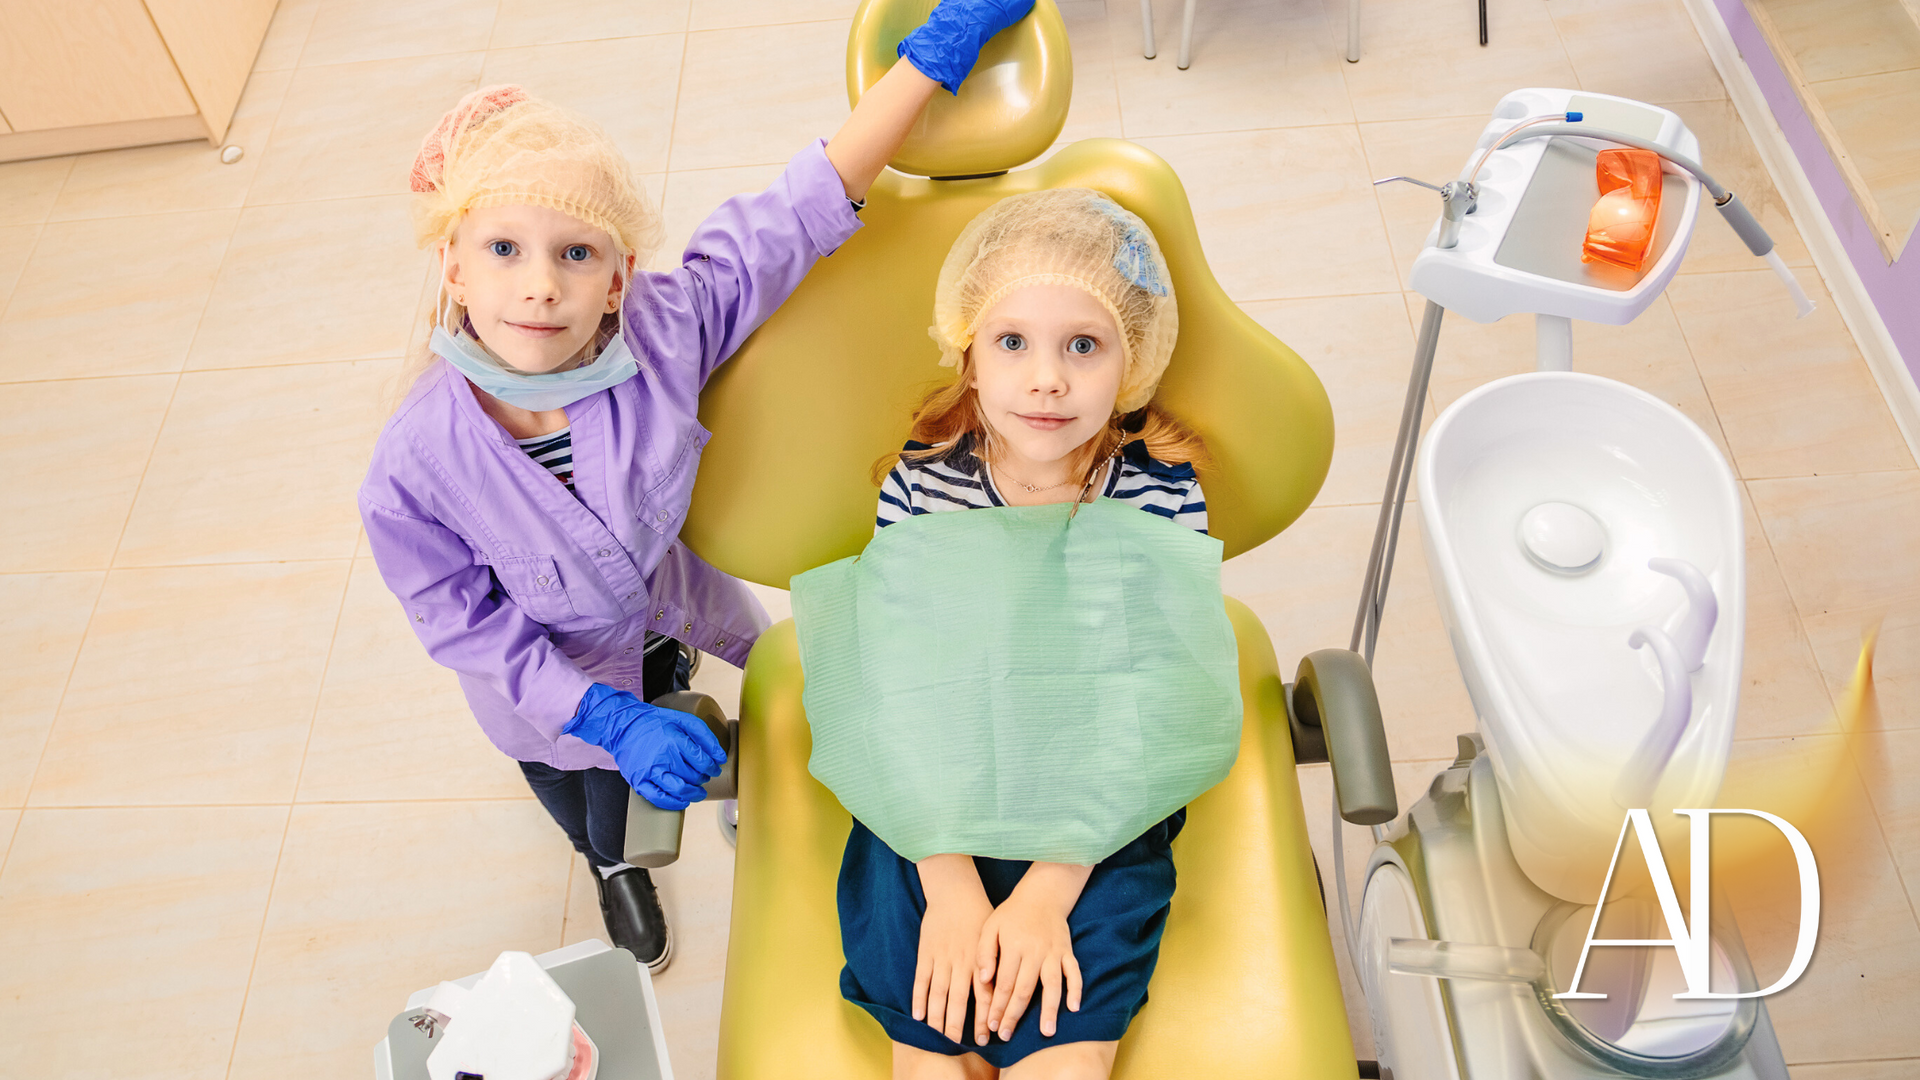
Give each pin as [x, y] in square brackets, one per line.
[1587, 548]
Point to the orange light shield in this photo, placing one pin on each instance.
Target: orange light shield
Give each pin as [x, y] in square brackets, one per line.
[1620, 229]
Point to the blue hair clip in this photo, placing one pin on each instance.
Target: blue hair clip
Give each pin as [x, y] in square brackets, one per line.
[1135, 263]
[1135, 260]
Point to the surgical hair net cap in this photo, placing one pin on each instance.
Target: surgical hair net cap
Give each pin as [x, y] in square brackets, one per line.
[1064, 236]
[501, 146]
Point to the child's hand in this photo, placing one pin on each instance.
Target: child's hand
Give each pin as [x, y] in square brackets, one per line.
[1027, 942]
[957, 908]
[947, 45]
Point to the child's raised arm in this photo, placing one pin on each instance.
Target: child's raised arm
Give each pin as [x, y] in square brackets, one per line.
[940, 53]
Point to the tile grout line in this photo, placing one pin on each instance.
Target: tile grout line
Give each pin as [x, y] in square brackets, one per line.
[1565, 53]
[1855, 1061]
[529, 797]
[266, 144]
[34, 248]
[59, 703]
[1432, 403]
[190, 566]
[259, 937]
[1681, 325]
[13, 836]
[293, 800]
[1113, 62]
[493, 31]
[202, 371]
[673, 121]
[299, 58]
[566, 902]
[1113, 78]
[844, 20]
[1380, 211]
[1880, 823]
[240, 207]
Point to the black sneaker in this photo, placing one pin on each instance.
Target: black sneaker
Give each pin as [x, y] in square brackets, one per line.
[630, 907]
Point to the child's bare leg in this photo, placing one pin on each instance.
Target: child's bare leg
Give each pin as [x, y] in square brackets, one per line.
[913, 1063]
[1068, 1061]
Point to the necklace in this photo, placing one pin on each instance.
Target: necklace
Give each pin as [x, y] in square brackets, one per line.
[1032, 488]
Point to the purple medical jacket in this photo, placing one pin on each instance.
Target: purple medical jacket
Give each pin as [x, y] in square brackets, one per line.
[532, 594]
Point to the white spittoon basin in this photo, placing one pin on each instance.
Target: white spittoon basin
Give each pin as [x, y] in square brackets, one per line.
[1519, 482]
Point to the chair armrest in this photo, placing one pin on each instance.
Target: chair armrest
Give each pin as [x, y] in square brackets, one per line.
[1334, 715]
[726, 732]
[653, 834]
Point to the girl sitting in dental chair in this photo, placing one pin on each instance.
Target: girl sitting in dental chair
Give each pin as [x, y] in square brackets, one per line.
[1056, 311]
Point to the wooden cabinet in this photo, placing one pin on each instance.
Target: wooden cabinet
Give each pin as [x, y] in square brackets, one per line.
[80, 75]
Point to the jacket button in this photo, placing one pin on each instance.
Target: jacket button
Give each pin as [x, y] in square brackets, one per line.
[604, 553]
[661, 614]
[664, 515]
[628, 650]
[626, 682]
[687, 629]
[541, 580]
[721, 644]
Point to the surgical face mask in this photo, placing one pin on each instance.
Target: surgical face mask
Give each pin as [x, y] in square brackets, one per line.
[535, 393]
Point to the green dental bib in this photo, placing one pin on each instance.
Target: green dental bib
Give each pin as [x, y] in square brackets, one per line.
[1014, 684]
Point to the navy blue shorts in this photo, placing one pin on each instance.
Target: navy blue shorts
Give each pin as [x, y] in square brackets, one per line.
[1116, 940]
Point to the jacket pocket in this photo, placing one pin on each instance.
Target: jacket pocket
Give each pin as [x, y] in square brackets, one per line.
[533, 581]
[663, 506]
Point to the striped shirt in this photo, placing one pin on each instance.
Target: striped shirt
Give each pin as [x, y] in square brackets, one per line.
[555, 451]
[956, 480]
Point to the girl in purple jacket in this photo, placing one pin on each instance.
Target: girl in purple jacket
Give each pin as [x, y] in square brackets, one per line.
[525, 499]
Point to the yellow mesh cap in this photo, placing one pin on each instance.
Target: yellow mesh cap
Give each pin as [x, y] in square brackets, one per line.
[1066, 236]
[500, 146]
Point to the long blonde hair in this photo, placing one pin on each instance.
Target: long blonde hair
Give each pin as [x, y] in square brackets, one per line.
[952, 412]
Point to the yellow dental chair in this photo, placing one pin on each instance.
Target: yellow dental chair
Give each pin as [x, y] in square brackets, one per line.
[1246, 985]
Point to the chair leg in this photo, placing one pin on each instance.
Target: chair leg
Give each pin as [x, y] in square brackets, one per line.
[1186, 36]
[1353, 31]
[1146, 28]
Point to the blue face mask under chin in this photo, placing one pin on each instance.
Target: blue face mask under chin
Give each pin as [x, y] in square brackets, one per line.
[535, 393]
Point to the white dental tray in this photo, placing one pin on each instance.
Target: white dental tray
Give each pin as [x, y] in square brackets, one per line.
[1519, 251]
[613, 997]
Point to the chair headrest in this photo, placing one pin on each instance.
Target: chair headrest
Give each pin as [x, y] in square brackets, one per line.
[828, 383]
[1007, 113]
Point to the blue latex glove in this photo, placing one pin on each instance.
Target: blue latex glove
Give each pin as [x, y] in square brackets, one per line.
[946, 45]
[664, 753]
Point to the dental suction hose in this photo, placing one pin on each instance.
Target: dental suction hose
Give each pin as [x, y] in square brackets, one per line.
[1641, 776]
[1742, 221]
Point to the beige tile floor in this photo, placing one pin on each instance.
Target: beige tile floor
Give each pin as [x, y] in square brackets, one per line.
[242, 816]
